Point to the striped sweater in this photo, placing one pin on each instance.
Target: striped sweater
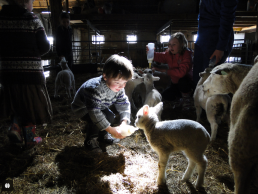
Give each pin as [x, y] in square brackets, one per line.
[22, 42]
[93, 96]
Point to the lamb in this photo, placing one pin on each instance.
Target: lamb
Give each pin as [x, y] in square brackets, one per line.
[243, 134]
[225, 78]
[153, 97]
[65, 78]
[142, 90]
[129, 88]
[178, 135]
[216, 106]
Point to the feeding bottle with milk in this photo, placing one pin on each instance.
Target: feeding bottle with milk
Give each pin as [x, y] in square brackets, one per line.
[150, 54]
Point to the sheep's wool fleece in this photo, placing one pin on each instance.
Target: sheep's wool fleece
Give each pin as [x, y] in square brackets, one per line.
[93, 96]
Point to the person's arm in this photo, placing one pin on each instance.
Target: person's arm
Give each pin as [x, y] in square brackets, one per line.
[41, 38]
[160, 57]
[227, 18]
[115, 132]
[92, 100]
[122, 105]
[184, 67]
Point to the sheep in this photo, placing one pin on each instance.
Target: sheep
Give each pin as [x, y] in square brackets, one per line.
[243, 134]
[65, 78]
[225, 78]
[216, 106]
[178, 135]
[129, 88]
[242, 81]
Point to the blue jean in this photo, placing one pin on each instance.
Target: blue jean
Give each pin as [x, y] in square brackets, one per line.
[201, 61]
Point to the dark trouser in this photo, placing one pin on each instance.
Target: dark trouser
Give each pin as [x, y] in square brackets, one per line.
[93, 130]
[201, 61]
[174, 91]
[69, 59]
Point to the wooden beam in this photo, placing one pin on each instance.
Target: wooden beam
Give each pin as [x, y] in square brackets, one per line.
[56, 10]
[129, 17]
[249, 28]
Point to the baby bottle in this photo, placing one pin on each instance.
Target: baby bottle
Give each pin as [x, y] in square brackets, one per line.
[150, 54]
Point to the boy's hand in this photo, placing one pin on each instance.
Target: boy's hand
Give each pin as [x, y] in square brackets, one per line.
[115, 132]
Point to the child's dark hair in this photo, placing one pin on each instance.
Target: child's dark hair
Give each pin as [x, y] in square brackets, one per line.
[118, 66]
[64, 15]
[182, 41]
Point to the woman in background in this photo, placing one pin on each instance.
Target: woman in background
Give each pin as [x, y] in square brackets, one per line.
[23, 95]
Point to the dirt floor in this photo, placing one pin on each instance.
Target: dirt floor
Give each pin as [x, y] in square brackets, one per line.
[61, 164]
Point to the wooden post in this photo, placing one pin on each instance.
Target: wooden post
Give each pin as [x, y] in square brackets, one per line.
[256, 37]
[56, 10]
[67, 6]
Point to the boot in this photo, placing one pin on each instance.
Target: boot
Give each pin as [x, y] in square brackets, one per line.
[107, 138]
[92, 145]
[15, 132]
[29, 136]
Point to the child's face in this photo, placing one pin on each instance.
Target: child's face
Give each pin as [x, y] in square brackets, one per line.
[115, 84]
[29, 5]
[174, 46]
[65, 22]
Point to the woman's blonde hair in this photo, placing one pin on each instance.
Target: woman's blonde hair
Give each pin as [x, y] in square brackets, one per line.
[182, 41]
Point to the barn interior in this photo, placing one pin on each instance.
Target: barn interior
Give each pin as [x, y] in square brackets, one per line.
[102, 28]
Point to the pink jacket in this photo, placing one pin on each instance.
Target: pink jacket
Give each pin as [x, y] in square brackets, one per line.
[179, 65]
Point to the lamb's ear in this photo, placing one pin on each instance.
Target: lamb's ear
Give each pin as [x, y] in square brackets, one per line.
[201, 74]
[145, 110]
[224, 73]
[158, 107]
[155, 78]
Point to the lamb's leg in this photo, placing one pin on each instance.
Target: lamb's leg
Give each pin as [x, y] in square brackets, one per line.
[74, 91]
[200, 160]
[56, 89]
[189, 170]
[163, 159]
[201, 167]
[214, 126]
[241, 178]
[68, 89]
[198, 113]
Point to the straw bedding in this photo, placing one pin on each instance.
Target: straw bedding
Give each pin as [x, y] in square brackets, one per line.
[61, 164]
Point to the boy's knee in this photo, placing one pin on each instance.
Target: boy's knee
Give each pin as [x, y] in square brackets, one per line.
[110, 116]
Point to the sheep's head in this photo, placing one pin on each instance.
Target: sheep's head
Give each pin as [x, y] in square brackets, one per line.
[204, 75]
[137, 79]
[149, 78]
[148, 71]
[148, 114]
[216, 83]
[256, 59]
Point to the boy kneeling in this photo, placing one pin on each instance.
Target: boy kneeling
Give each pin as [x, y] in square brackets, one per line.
[93, 99]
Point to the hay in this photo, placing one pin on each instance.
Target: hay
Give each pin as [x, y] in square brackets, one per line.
[61, 164]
